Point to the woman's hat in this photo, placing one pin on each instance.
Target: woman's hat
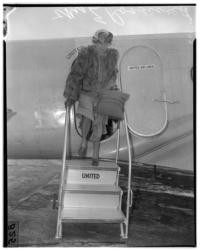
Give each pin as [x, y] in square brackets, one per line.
[102, 36]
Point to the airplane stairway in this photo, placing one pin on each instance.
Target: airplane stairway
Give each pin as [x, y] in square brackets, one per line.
[90, 194]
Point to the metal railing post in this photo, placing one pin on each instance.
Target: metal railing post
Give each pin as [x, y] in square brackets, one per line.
[117, 145]
[117, 151]
[129, 177]
[62, 178]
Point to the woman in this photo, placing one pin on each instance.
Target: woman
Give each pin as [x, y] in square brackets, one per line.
[93, 71]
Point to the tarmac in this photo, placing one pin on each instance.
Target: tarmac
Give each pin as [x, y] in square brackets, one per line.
[163, 212]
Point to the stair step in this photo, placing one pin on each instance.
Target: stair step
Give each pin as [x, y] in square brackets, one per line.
[91, 215]
[87, 164]
[93, 196]
[82, 172]
[92, 189]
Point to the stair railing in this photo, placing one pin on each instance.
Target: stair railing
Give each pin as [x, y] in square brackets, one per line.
[62, 183]
[124, 230]
[117, 151]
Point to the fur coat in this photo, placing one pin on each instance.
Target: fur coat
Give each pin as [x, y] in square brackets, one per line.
[91, 72]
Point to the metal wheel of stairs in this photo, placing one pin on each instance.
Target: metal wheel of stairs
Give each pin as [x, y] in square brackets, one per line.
[90, 194]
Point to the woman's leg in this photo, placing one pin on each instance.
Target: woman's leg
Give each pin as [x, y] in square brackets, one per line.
[95, 158]
[97, 133]
[86, 123]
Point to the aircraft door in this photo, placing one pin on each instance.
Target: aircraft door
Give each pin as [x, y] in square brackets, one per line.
[141, 75]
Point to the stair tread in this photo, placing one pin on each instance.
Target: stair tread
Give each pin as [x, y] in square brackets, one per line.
[81, 163]
[93, 214]
[92, 188]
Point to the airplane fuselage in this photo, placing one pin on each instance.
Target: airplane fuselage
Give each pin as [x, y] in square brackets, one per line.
[149, 66]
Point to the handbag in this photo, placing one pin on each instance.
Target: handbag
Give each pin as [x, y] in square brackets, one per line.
[111, 103]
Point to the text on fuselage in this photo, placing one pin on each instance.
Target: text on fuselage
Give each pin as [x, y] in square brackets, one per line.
[94, 176]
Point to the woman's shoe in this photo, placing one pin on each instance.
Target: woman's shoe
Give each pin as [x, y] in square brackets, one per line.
[95, 162]
[82, 151]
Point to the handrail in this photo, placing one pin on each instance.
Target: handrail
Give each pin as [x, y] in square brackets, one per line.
[59, 225]
[117, 151]
[118, 144]
[129, 195]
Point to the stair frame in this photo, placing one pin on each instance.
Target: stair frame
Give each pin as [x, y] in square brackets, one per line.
[124, 226]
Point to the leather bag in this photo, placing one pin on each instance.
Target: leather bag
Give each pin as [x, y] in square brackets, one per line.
[111, 103]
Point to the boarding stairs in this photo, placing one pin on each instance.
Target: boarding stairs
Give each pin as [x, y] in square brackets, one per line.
[91, 194]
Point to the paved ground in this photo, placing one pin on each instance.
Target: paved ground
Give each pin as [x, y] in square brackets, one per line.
[163, 212]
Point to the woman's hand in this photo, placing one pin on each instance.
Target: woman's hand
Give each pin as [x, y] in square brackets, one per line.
[69, 102]
[114, 88]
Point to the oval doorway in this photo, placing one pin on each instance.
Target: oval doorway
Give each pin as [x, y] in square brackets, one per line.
[141, 75]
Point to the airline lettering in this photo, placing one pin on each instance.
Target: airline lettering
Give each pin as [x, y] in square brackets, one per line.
[141, 67]
[90, 176]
